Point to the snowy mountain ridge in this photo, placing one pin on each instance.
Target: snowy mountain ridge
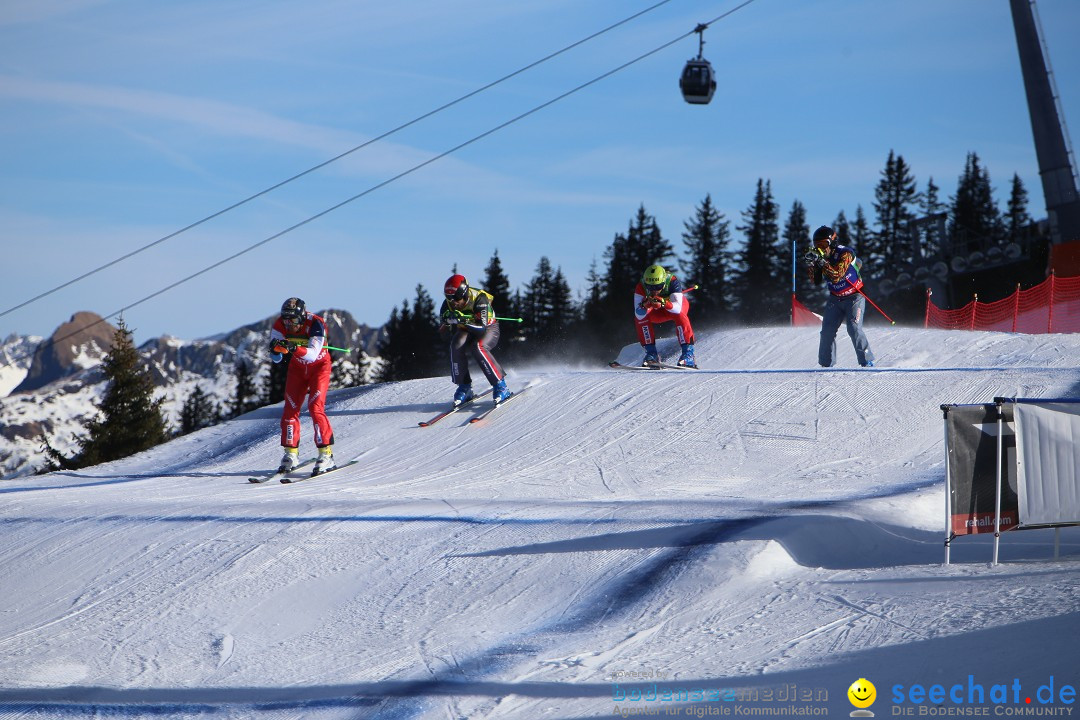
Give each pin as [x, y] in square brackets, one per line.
[607, 538]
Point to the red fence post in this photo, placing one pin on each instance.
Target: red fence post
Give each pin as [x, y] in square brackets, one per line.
[1016, 306]
[1050, 315]
[926, 319]
[974, 306]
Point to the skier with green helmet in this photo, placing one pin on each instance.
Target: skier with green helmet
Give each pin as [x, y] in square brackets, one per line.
[661, 297]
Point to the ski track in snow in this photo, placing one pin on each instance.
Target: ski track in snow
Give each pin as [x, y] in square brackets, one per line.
[728, 528]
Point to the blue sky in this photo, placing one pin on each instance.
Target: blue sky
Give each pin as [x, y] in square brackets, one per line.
[125, 121]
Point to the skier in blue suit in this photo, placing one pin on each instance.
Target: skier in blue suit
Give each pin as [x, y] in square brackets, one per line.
[838, 267]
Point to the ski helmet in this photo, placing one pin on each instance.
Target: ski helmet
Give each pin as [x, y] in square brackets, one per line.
[655, 278]
[293, 311]
[823, 236]
[456, 287]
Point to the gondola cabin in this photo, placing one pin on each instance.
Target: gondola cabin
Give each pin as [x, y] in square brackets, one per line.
[697, 82]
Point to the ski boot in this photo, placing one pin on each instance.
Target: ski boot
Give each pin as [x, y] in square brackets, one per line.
[289, 461]
[500, 392]
[463, 395]
[325, 461]
[687, 357]
[651, 357]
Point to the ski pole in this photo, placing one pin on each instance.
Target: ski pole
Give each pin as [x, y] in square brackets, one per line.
[325, 347]
[511, 319]
[875, 306]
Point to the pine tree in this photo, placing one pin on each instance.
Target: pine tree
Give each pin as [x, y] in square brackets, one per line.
[762, 295]
[130, 419]
[594, 293]
[595, 329]
[930, 240]
[842, 228]
[548, 308]
[706, 238]
[199, 411]
[894, 197]
[976, 222]
[537, 307]
[498, 284]
[431, 351]
[627, 257]
[274, 389]
[395, 348]
[245, 397]
[797, 242]
[362, 373]
[1017, 219]
[411, 347]
[340, 375]
[564, 311]
[495, 280]
[929, 203]
[860, 233]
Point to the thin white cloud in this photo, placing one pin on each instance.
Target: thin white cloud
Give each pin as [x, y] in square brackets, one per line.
[17, 12]
[212, 115]
[224, 119]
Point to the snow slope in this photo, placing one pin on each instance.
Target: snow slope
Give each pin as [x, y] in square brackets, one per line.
[742, 533]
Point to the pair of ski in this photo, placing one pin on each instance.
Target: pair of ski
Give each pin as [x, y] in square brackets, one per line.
[650, 366]
[461, 406]
[301, 472]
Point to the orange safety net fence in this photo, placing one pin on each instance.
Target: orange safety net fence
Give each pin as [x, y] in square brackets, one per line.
[1052, 306]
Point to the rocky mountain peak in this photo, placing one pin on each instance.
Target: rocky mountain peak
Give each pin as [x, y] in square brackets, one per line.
[78, 344]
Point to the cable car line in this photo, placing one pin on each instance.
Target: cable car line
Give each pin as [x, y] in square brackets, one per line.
[402, 174]
[334, 159]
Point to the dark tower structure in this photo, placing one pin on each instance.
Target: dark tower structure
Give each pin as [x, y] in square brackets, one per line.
[1051, 149]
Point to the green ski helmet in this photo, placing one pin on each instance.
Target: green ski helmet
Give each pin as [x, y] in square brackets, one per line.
[655, 278]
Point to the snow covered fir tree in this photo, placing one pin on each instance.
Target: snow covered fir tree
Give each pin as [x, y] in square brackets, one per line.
[131, 419]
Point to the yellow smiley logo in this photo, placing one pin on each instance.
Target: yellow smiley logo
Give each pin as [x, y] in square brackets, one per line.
[862, 693]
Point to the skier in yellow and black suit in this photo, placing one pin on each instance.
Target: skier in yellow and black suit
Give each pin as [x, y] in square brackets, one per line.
[469, 318]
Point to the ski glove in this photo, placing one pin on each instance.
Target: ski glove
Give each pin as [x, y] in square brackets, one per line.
[280, 347]
[813, 258]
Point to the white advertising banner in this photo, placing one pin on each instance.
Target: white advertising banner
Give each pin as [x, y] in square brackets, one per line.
[1048, 462]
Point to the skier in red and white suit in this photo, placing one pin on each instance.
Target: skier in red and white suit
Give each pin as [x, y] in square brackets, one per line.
[303, 336]
[661, 297]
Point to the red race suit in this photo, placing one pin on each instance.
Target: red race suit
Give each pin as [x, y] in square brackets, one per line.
[675, 308]
[309, 376]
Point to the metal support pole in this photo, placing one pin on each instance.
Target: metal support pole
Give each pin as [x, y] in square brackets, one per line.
[948, 491]
[997, 498]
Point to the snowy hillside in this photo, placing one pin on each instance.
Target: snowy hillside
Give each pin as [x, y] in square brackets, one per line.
[750, 533]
